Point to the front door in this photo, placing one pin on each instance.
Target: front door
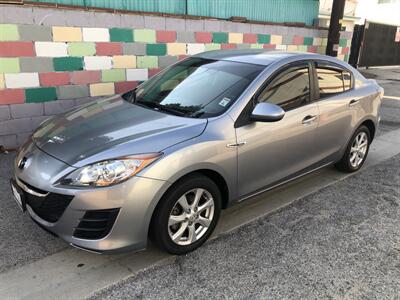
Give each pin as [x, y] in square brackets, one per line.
[271, 151]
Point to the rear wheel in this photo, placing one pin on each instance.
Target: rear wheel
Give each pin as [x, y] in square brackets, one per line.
[187, 215]
[356, 151]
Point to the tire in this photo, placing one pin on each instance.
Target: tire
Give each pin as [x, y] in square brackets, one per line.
[191, 222]
[349, 163]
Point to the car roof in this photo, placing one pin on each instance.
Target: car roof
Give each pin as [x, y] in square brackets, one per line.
[256, 56]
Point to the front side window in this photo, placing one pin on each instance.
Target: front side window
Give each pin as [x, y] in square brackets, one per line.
[196, 87]
[332, 80]
[290, 89]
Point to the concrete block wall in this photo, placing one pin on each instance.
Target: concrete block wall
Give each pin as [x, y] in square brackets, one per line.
[51, 60]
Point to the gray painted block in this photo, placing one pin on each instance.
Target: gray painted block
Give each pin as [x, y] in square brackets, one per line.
[165, 61]
[185, 37]
[5, 112]
[46, 16]
[227, 26]
[36, 64]
[243, 27]
[72, 91]
[132, 21]
[57, 107]
[323, 33]
[153, 22]
[16, 14]
[16, 126]
[34, 33]
[80, 18]
[134, 48]
[175, 24]
[287, 40]
[107, 20]
[22, 138]
[212, 25]
[9, 141]
[243, 46]
[281, 30]
[257, 28]
[194, 25]
[26, 110]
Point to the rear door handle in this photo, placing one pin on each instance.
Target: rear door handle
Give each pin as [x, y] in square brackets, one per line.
[308, 119]
[353, 102]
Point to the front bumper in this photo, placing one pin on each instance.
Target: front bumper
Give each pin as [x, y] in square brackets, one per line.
[126, 208]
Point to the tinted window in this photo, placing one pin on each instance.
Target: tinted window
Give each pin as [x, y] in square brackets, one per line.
[332, 80]
[290, 89]
[346, 80]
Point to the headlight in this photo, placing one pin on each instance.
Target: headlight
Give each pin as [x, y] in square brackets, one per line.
[109, 172]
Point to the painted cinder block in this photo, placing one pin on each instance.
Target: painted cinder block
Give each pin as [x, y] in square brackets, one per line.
[54, 78]
[36, 64]
[212, 25]
[124, 61]
[235, 38]
[292, 48]
[203, 37]
[67, 34]
[193, 49]
[4, 112]
[287, 39]
[228, 46]
[97, 62]
[145, 35]
[298, 40]
[154, 22]
[9, 65]
[72, 91]
[57, 107]
[175, 24]
[176, 48]
[104, 48]
[85, 77]
[153, 72]
[102, 89]
[256, 46]
[12, 96]
[194, 25]
[276, 39]
[137, 74]
[96, 34]
[269, 46]
[308, 41]
[67, 63]
[185, 37]
[35, 33]
[113, 75]
[2, 82]
[317, 41]
[210, 47]
[250, 38]
[19, 111]
[81, 49]
[242, 46]
[125, 86]
[43, 94]
[50, 49]
[165, 61]
[220, 37]
[342, 42]
[134, 48]
[121, 35]
[312, 49]
[16, 49]
[156, 49]
[9, 32]
[21, 80]
[281, 47]
[147, 61]
[263, 38]
[165, 36]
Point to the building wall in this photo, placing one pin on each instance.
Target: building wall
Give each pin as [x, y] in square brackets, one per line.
[52, 60]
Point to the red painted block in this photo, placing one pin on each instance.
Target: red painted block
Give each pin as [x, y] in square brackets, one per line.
[12, 96]
[165, 36]
[85, 77]
[54, 78]
[345, 50]
[105, 48]
[312, 49]
[250, 38]
[228, 46]
[16, 49]
[269, 46]
[298, 40]
[125, 86]
[203, 37]
[153, 72]
[182, 57]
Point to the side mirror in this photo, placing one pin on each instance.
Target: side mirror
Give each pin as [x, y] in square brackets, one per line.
[267, 112]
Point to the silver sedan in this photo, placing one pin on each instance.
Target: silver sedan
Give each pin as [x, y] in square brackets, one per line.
[164, 159]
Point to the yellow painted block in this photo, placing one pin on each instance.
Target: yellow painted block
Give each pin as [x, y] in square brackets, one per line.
[341, 57]
[324, 42]
[124, 61]
[317, 41]
[292, 48]
[321, 49]
[176, 48]
[256, 46]
[102, 89]
[276, 39]
[2, 83]
[67, 34]
[235, 38]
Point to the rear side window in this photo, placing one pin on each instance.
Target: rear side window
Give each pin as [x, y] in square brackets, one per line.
[332, 80]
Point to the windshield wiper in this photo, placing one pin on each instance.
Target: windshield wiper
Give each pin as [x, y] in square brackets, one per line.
[159, 107]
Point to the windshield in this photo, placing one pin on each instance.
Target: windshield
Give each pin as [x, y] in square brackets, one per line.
[195, 87]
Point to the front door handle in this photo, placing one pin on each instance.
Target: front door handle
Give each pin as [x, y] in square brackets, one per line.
[353, 102]
[308, 119]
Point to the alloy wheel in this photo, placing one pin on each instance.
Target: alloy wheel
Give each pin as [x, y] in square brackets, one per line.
[358, 149]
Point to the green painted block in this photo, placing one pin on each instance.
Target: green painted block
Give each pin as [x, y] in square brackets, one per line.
[67, 63]
[220, 37]
[9, 65]
[308, 41]
[346, 57]
[302, 48]
[121, 35]
[263, 38]
[145, 35]
[81, 49]
[147, 62]
[40, 95]
[210, 47]
[156, 49]
[256, 46]
[113, 75]
[9, 32]
[342, 42]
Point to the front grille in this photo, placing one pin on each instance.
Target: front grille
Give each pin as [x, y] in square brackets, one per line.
[96, 224]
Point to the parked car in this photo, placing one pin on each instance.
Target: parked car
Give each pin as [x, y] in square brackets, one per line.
[164, 159]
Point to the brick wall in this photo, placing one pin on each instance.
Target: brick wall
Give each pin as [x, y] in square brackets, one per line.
[52, 60]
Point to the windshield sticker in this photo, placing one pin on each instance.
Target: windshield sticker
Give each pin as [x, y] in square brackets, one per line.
[224, 102]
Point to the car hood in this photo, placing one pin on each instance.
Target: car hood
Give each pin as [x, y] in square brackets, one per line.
[112, 128]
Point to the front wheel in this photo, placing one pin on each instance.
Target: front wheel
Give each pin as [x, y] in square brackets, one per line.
[187, 215]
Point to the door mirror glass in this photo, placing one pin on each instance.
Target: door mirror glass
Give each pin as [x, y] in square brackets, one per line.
[267, 112]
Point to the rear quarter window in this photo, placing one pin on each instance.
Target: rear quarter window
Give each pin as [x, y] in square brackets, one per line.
[332, 80]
